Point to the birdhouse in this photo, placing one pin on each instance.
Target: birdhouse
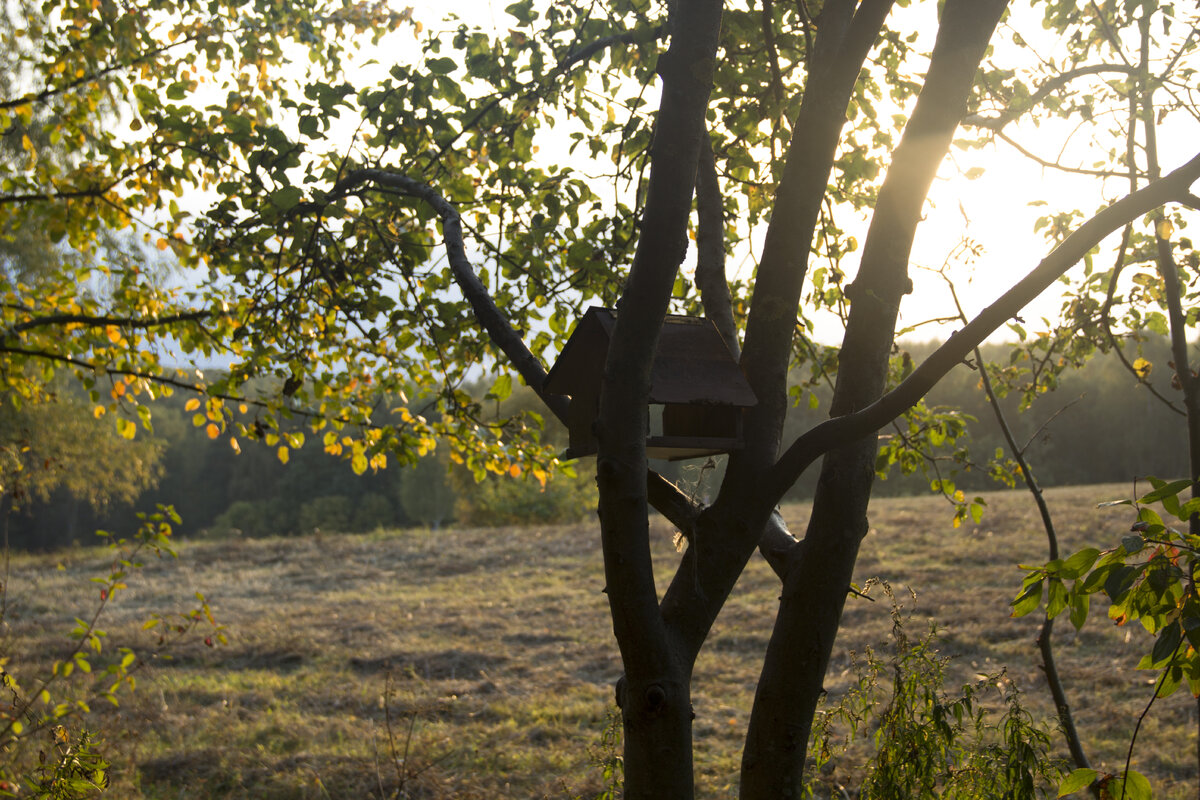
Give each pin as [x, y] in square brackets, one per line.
[697, 390]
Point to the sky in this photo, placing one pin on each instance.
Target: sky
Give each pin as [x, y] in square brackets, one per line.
[994, 209]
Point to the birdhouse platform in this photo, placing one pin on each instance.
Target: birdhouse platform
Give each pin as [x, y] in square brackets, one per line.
[697, 390]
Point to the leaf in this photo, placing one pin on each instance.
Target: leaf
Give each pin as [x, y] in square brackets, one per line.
[1028, 600]
[192, 404]
[1056, 599]
[1142, 367]
[1080, 603]
[1119, 581]
[1079, 779]
[1132, 544]
[1164, 489]
[283, 453]
[1167, 643]
[441, 66]
[502, 388]
[213, 430]
[1137, 787]
[1079, 563]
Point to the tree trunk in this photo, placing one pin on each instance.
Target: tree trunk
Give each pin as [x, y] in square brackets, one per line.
[654, 694]
[815, 589]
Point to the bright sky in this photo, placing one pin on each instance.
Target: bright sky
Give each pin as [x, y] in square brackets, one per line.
[993, 210]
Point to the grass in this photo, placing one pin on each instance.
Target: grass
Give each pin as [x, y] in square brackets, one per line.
[479, 663]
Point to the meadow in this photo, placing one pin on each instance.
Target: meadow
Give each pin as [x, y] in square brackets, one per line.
[479, 662]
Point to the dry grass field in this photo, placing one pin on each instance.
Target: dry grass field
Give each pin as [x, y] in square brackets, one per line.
[478, 663]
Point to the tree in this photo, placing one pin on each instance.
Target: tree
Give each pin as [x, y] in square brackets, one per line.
[772, 118]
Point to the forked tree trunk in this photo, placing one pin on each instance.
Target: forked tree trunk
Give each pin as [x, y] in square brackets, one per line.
[814, 591]
[655, 695]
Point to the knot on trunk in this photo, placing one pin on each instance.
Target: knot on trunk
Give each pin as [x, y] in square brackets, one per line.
[656, 697]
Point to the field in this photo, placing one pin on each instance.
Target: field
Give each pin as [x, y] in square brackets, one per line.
[478, 663]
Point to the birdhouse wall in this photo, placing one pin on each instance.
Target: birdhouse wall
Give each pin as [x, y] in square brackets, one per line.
[581, 414]
[701, 422]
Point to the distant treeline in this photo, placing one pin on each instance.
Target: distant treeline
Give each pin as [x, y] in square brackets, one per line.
[1110, 429]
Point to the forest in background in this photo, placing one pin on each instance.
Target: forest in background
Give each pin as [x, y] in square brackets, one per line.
[219, 492]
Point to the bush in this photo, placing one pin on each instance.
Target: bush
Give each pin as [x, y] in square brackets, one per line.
[501, 500]
[50, 746]
[246, 518]
[373, 511]
[332, 513]
[932, 742]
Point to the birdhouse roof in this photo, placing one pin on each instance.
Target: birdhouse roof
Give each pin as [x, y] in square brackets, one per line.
[692, 363]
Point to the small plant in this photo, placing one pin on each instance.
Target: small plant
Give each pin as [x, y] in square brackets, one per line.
[1149, 577]
[606, 757]
[34, 706]
[932, 743]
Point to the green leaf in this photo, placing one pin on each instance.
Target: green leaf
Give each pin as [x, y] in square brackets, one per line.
[1167, 643]
[1163, 490]
[1057, 598]
[1137, 787]
[441, 66]
[1079, 779]
[1028, 600]
[286, 197]
[1119, 581]
[502, 388]
[1079, 563]
[1080, 603]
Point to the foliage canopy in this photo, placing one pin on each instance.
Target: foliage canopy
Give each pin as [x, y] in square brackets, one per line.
[299, 185]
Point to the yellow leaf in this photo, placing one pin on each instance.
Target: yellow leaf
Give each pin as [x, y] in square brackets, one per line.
[1165, 229]
[113, 333]
[515, 470]
[1142, 367]
[99, 411]
[359, 464]
[283, 454]
[213, 430]
[242, 408]
[192, 404]
[233, 442]
[612, 115]
[540, 475]
[162, 244]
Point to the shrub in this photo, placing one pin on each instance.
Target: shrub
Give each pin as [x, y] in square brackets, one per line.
[331, 513]
[373, 511]
[502, 500]
[49, 747]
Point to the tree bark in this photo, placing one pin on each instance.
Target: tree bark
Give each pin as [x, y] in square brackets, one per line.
[654, 694]
[815, 589]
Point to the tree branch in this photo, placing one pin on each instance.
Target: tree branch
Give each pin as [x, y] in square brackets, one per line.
[498, 328]
[710, 249]
[1045, 90]
[637, 36]
[96, 322]
[834, 432]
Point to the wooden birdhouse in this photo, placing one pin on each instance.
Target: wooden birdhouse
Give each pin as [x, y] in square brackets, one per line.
[697, 390]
